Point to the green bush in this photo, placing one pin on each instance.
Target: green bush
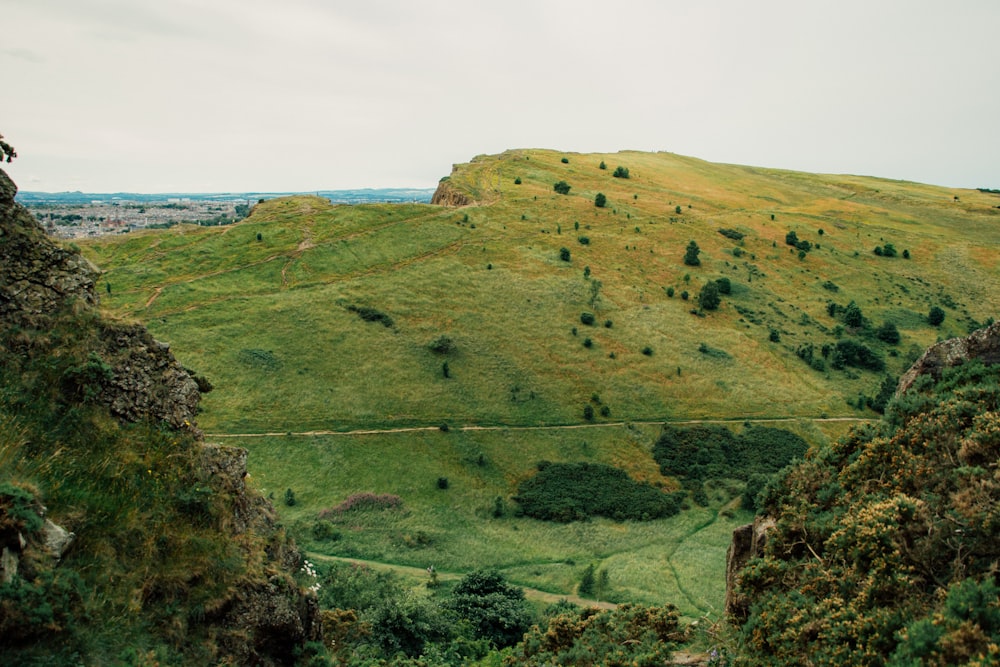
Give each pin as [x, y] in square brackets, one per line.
[562, 187]
[691, 254]
[620, 172]
[936, 316]
[587, 318]
[725, 285]
[709, 297]
[888, 333]
[600, 201]
[495, 610]
[371, 315]
[565, 492]
[564, 254]
[731, 234]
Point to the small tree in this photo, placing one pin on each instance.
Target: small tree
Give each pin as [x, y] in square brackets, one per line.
[290, 497]
[709, 297]
[620, 172]
[602, 165]
[7, 152]
[852, 316]
[936, 316]
[564, 254]
[677, 209]
[588, 413]
[562, 187]
[725, 285]
[517, 181]
[600, 201]
[691, 254]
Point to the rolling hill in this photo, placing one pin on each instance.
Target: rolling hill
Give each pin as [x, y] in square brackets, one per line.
[383, 348]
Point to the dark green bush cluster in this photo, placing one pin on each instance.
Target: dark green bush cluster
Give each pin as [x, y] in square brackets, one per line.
[620, 172]
[792, 239]
[731, 234]
[369, 314]
[887, 250]
[567, 492]
[713, 452]
[562, 187]
[849, 352]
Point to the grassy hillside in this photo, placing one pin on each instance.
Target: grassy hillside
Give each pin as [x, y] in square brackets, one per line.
[269, 321]
[315, 319]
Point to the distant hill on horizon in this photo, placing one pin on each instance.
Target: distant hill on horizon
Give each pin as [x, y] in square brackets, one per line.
[346, 196]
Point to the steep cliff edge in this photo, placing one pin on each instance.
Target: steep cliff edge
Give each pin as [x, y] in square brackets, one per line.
[882, 547]
[149, 542]
[447, 194]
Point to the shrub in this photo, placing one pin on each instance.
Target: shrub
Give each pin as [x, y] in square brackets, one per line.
[684, 295]
[670, 292]
[691, 254]
[774, 336]
[602, 165]
[517, 181]
[853, 317]
[620, 172]
[564, 254]
[709, 297]
[371, 315]
[584, 240]
[830, 287]
[791, 238]
[361, 502]
[888, 333]
[587, 318]
[677, 209]
[600, 201]
[725, 285]
[565, 160]
[290, 497]
[936, 316]
[562, 187]
[442, 483]
[495, 610]
[442, 345]
[608, 324]
[731, 234]
[565, 492]
[588, 343]
[648, 351]
[588, 413]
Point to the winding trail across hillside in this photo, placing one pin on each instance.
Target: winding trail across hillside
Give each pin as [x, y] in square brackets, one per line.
[530, 593]
[553, 427]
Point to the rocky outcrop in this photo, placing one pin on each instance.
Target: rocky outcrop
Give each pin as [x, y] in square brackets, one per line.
[37, 277]
[133, 374]
[448, 195]
[748, 542]
[48, 297]
[272, 618]
[983, 344]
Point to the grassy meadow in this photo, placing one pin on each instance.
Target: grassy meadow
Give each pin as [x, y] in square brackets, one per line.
[269, 311]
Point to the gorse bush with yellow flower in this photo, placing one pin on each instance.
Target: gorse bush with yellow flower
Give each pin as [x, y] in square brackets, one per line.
[886, 545]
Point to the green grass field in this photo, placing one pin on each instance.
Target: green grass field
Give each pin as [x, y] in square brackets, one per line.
[267, 310]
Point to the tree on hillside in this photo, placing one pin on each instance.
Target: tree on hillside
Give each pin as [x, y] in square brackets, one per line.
[852, 316]
[562, 187]
[600, 201]
[620, 172]
[494, 609]
[691, 254]
[7, 151]
[936, 316]
[709, 298]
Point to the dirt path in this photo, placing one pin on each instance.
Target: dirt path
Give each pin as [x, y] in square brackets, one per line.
[553, 427]
[530, 593]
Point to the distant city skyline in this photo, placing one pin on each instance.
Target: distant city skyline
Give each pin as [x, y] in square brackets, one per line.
[227, 96]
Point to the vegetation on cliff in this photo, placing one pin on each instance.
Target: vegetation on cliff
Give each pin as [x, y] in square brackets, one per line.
[885, 546]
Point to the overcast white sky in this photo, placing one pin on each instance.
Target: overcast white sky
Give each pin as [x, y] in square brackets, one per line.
[294, 95]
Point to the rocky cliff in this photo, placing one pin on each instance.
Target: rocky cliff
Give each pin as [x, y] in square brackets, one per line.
[749, 540]
[448, 195]
[55, 343]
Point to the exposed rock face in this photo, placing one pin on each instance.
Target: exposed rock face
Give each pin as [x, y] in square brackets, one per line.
[271, 618]
[447, 195]
[748, 542]
[266, 618]
[983, 344]
[39, 278]
[36, 276]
